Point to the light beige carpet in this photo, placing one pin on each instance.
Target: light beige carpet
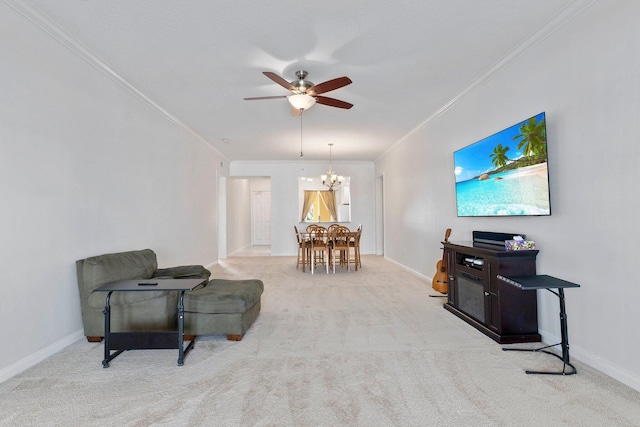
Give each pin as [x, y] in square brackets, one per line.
[362, 349]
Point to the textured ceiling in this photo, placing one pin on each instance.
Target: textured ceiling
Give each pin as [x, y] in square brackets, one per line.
[197, 59]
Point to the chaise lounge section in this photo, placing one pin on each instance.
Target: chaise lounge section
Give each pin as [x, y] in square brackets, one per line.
[227, 307]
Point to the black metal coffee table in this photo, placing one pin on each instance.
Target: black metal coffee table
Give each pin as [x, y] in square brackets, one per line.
[121, 341]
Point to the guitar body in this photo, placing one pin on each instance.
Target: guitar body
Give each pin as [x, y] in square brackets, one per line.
[440, 282]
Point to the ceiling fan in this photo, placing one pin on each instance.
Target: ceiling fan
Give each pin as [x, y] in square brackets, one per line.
[304, 93]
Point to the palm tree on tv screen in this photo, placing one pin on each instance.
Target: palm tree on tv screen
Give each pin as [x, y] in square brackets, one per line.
[533, 139]
[499, 156]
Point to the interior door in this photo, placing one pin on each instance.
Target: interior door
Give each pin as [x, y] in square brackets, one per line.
[261, 217]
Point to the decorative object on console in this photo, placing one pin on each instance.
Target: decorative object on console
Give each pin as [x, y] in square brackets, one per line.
[519, 244]
[506, 173]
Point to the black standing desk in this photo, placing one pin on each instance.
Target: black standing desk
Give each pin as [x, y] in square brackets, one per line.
[121, 341]
[529, 283]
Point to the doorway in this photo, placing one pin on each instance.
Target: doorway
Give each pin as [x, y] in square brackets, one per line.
[260, 218]
[380, 215]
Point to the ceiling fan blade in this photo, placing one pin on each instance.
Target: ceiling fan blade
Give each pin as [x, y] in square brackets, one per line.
[332, 102]
[295, 112]
[281, 81]
[329, 85]
[264, 97]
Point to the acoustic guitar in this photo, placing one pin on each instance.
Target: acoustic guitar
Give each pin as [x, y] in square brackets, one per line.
[440, 278]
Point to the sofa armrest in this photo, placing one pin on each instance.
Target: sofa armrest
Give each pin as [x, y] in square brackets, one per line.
[183, 272]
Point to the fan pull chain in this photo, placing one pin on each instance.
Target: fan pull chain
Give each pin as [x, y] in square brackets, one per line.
[301, 110]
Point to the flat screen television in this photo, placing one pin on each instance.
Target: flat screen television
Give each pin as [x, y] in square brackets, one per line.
[506, 173]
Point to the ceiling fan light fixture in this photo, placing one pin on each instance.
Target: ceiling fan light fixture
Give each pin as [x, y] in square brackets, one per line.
[301, 101]
[304, 93]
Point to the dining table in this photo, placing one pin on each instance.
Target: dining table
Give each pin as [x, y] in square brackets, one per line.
[308, 235]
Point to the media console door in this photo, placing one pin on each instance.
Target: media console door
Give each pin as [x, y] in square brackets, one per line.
[502, 312]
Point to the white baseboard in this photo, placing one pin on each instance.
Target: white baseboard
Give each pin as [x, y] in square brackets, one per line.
[210, 266]
[577, 353]
[237, 251]
[37, 357]
[404, 267]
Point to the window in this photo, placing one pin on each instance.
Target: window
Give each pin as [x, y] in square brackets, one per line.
[319, 204]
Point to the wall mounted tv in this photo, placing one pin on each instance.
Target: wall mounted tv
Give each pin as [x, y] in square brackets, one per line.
[506, 173]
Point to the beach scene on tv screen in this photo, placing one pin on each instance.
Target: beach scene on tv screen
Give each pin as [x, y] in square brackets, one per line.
[505, 174]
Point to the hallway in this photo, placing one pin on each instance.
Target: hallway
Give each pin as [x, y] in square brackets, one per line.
[253, 250]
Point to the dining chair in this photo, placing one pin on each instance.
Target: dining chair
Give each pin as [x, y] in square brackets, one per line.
[320, 248]
[304, 248]
[354, 243]
[340, 243]
[332, 227]
[311, 227]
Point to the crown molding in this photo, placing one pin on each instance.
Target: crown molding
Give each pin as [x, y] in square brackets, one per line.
[563, 17]
[55, 31]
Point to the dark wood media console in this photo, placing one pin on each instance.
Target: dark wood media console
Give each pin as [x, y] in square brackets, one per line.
[477, 296]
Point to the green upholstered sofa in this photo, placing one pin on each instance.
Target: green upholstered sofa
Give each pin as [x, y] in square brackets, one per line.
[130, 311]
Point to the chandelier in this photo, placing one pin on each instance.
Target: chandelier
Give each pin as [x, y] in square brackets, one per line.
[331, 179]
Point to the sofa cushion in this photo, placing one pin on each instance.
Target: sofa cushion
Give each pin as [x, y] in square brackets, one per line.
[103, 269]
[182, 272]
[224, 296]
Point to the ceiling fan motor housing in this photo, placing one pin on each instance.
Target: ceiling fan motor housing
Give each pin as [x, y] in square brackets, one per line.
[301, 85]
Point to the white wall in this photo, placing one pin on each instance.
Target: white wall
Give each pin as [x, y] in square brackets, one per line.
[586, 76]
[86, 167]
[238, 214]
[285, 197]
